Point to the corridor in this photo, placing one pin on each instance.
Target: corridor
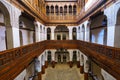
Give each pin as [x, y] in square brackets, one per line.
[62, 72]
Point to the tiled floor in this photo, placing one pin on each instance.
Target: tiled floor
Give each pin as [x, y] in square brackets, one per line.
[62, 72]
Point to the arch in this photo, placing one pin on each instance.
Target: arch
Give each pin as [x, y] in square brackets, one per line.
[74, 56]
[74, 10]
[48, 30]
[42, 60]
[21, 37]
[82, 60]
[98, 29]
[74, 33]
[88, 27]
[87, 66]
[61, 10]
[48, 34]
[52, 9]
[6, 14]
[44, 29]
[61, 28]
[5, 24]
[49, 57]
[79, 29]
[61, 32]
[104, 20]
[27, 26]
[118, 17]
[83, 32]
[65, 9]
[70, 9]
[1, 18]
[40, 28]
[56, 10]
[47, 10]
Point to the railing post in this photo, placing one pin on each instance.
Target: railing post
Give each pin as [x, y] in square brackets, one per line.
[85, 76]
[81, 69]
[39, 76]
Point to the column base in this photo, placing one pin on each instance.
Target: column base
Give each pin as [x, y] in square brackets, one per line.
[53, 64]
[39, 76]
[71, 64]
[46, 64]
[43, 69]
[85, 76]
[81, 69]
[78, 64]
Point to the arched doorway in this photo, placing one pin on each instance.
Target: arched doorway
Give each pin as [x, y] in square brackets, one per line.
[26, 27]
[48, 34]
[47, 10]
[70, 9]
[98, 28]
[49, 58]
[52, 9]
[61, 32]
[117, 31]
[56, 10]
[65, 9]
[61, 10]
[83, 32]
[74, 56]
[62, 56]
[74, 10]
[74, 33]
[5, 28]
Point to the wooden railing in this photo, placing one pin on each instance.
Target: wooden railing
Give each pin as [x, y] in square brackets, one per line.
[13, 61]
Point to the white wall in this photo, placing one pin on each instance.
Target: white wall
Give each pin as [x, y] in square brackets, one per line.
[2, 38]
[27, 37]
[97, 36]
[21, 76]
[89, 4]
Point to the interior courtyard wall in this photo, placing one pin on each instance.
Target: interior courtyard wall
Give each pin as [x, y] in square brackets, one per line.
[12, 25]
[112, 31]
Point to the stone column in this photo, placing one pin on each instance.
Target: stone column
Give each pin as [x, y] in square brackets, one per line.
[78, 58]
[70, 33]
[86, 76]
[112, 35]
[86, 68]
[111, 24]
[81, 63]
[39, 68]
[87, 31]
[52, 33]
[37, 31]
[78, 32]
[40, 32]
[53, 58]
[71, 57]
[45, 34]
[43, 62]
[46, 59]
[12, 29]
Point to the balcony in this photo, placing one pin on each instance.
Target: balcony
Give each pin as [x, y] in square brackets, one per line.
[62, 18]
[39, 12]
[11, 60]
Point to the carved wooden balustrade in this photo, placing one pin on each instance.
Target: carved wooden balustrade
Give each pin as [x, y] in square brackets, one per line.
[13, 61]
